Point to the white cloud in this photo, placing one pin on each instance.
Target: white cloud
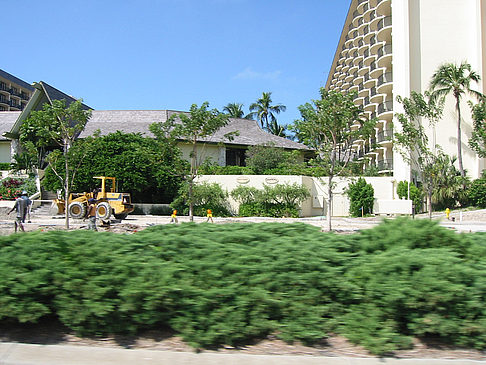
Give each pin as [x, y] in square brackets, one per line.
[249, 74]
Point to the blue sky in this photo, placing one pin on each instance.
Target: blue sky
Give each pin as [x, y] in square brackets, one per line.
[169, 54]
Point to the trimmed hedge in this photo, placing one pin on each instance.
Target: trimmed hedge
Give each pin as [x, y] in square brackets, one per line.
[231, 284]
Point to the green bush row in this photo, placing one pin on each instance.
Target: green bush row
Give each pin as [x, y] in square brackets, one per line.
[231, 284]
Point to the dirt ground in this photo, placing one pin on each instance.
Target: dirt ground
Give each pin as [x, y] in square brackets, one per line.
[49, 332]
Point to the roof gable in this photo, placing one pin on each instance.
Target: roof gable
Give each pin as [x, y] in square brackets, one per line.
[43, 93]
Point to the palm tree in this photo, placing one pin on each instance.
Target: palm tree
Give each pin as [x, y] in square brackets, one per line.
[264, 111]
[234, 110]
[277, 129]
[451, 78]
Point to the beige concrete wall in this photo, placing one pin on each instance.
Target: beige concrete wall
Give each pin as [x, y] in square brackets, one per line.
[386, 200]
[5, 151]
[204, 151]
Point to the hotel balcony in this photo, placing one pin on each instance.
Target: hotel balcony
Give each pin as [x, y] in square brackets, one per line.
[361, 5]
[385, 83]
[374, 22]
[384, 56]
[384, 29]
[385, 110]
[385, 136]
[383, 7]
[385, 165]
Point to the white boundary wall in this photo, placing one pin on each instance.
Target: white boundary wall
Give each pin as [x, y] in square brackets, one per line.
[386, 199]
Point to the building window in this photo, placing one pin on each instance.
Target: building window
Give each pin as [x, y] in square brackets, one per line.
[235, 157]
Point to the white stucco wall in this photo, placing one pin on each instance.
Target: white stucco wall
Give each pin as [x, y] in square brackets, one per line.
[386, 200]
[440, 31]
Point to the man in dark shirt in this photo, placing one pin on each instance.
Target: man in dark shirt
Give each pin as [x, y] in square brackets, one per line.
[21, 206]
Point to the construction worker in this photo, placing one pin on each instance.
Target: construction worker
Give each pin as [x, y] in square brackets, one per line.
[21, 206]
[25, 196]
[91, 213]
[209, 215]
[173, 217]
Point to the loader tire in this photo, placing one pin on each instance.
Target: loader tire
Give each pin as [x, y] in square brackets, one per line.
[103, 211]
[77, 210]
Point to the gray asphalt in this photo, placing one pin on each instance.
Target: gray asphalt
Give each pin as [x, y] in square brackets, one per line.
[28, 354]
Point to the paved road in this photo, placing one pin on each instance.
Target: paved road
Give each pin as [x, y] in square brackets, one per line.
[25, 354]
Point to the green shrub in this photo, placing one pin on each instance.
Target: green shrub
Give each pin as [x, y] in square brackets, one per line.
[209, 168]
[235, 283]
[271, 201]
[361, 198]
[416, 195]
[5, 166]
[477, 192]
[206, 196]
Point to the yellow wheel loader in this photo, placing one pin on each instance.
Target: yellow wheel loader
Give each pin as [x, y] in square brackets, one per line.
[108, 203]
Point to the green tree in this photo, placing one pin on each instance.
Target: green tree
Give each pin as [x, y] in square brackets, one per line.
[326, 126]
[478, 139]
[264, 111]
[456, 80]
[450, 186]
[57, 124]
[198, 124]
[277, 129]
[262, 158]
[361, 198]
[412, 142]
[149, 169]
[234, 110]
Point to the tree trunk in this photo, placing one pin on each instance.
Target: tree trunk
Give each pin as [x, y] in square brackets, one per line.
[459, 142]
[66, 183]
[429, 202]
[191, 181]
[329, 205]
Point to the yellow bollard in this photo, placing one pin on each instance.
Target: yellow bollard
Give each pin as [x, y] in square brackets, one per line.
[447, 212]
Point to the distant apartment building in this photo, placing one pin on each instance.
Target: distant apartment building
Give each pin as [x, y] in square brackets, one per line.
[14, 92]
[392, 47]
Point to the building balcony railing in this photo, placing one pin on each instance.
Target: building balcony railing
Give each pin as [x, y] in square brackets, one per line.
[385, 78]
[4, 101]
[385, 165]
[385, 50]
[387, 106]
[4, 87]
[386, 135]
[385, 22]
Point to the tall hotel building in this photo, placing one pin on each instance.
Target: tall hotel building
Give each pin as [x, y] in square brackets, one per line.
[392, 47]
[14, 92]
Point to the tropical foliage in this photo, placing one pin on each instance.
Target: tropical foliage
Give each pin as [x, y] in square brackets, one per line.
[455, 79]
[234, 110]
[265, 112]
[478, 139]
